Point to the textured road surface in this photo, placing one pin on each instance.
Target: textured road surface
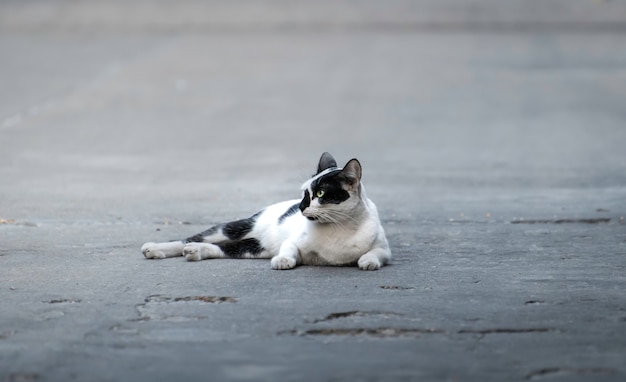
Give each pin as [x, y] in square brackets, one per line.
[492, 136]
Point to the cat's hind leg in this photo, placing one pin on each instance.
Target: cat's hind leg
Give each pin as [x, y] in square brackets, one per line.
[162, 250]
[202, 251]
[249, 248]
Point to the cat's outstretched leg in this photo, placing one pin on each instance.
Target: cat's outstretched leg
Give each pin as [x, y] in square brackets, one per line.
[374, 259]
[162, 250]
[201, 251]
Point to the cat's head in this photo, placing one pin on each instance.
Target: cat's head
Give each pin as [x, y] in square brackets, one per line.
[333, 193]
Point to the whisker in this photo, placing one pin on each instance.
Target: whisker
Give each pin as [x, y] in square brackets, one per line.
[336, 218]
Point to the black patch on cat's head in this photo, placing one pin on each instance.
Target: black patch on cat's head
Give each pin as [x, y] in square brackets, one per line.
[326, 161]
[337, 184]
[306, 200]
[332, 187]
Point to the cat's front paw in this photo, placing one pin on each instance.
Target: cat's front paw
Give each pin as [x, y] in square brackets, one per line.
[367, 263]
[282, 262]
[150, 251]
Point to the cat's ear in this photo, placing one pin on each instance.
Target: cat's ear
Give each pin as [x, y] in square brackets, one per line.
[326, 161]
[351, 174]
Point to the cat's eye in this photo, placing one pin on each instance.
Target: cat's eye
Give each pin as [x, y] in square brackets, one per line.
[319, 193]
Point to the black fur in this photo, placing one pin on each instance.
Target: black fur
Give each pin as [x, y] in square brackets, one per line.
[238, 249]
[331, 184]
[326, 161]
[324, 179]
[199, 238]
[306, 201]
[292, 210]
[238, 229]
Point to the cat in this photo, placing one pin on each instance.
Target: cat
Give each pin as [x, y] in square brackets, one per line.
[333, 224]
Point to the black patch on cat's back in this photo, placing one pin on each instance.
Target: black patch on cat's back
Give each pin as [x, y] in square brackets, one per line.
[291, 211]
[238, 249]
[238, 229]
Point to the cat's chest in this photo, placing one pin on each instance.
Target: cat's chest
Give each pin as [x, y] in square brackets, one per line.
[336, 247]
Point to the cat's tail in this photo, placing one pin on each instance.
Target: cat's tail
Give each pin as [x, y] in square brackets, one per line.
[211, 235]
[227, 232]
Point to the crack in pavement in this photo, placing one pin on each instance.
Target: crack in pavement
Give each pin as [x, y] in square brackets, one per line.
[553, 371]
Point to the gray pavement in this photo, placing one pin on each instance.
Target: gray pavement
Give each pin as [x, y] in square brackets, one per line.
[492, 139]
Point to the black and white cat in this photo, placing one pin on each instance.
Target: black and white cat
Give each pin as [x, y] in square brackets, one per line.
[334, 224]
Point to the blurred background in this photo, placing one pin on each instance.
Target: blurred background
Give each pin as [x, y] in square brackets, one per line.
[123, 122]
[125, 102]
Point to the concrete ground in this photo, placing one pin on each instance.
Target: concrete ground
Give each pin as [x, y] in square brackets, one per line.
[492, 136]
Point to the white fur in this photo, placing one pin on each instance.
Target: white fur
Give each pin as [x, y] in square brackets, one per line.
[162, 250]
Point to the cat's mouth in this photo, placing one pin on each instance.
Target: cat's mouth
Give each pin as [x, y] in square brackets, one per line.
[307, 214]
